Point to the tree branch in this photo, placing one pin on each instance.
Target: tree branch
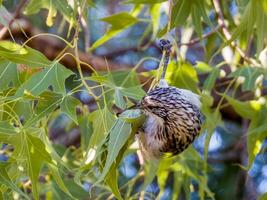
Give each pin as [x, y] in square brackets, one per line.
[227, 34]
[16, 14]
[197, 40]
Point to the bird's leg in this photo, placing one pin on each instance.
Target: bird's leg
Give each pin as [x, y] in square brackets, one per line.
[165, 46]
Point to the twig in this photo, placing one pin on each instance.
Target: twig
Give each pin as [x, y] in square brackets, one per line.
[16, 14]
[197, 40]
[85, 29]
[228, 35]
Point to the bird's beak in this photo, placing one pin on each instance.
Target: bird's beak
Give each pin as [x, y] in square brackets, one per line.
[136, 106]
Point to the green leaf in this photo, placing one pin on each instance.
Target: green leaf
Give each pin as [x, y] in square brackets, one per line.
[257, 132]
[112, 181]
[210, 81]
[23, 109]
[47, 103]
[155, 16]
[75, 190]
[119, 22]
[180, 12]
[6, 180]
[202, 67]
[182, 76]
[58, 179]
[250, 74]
[8, 74]
[162, 174]
[54, 76]
[250, 18]
[116, 20]
[213, 119]
[23, 55]
[261, 25]
[178, 181]
[125, 83]
[151, 169]
[133, 92]
[29, 150]
[119, 135]
[119, 101]
[248, 109]
[263, 196]
[62, 6]
[68, 106]
[7, 131]
[196, 18]
[102, 121]
[132, 116]
[35, 155]
[86, 130]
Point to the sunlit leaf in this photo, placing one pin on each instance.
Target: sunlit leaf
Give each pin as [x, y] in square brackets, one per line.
[117, 26]
[151, 169]
[202, 67]
[75, 190]
[23, 109]
[46, 104]
[6, 180]
[132, 115]
[180, 11]
[124, 83]
[155, 16]
[118, 136]
[8, 74]
[133, 92]
[112, 182]
[62, 6]
[58, 179]
[102, 121]
[29, 149]
[250, 18]
[196, 18]
[23, 55]
[263, 196]
[86, 130]
[247, 109]
[68, 106]
[54, 76]
[119, 101]
[162, 174]
[213, 119]
[182, 76]
[257, 132]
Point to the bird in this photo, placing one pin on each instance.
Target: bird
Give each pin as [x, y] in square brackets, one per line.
[173, 116]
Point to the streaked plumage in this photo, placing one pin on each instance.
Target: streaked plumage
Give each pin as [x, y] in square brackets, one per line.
[173, 116]
[173, 121]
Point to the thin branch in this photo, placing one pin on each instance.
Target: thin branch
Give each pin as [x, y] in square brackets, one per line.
[85, 29]
[228, 35]
[16, 14]
[197, 40]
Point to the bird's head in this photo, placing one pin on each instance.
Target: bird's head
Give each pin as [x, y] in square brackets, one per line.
[151, 105]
